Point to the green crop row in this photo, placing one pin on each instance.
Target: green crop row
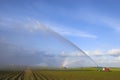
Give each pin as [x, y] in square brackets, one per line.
[60, 75]
[11, 75]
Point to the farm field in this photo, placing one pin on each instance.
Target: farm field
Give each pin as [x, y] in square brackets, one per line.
[73, 74]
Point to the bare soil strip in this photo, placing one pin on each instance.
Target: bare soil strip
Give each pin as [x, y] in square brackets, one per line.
[28, 75]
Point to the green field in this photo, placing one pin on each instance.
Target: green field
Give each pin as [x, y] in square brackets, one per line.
[60, 74]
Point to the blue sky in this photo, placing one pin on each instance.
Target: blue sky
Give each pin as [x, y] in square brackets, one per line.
[92, 25]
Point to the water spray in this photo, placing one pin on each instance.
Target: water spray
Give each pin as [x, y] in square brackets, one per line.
[58, 36]
[37, 42]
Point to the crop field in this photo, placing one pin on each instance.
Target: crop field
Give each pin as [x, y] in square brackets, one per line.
[70, 74]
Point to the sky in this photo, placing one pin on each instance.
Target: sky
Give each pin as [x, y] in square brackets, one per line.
[92, 25]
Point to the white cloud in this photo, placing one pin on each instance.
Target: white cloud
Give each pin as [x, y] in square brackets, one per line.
[32, 25]
[113, 23]
[42, 64]
[70, 31]
[114, 52]
[110, 52]
[94, 17]
[35, 25]
[29, 25]
[72, 54]
[79, 34]
[99, 19]
[108, 58]
[117, 59]
[95, 53]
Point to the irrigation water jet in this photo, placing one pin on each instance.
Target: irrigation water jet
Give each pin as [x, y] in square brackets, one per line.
[61, 38]
[33, 44]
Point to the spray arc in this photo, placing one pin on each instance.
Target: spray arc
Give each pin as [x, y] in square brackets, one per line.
[66, 62]
[33, 44]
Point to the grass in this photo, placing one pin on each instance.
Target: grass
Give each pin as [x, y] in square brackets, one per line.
[81, 75]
